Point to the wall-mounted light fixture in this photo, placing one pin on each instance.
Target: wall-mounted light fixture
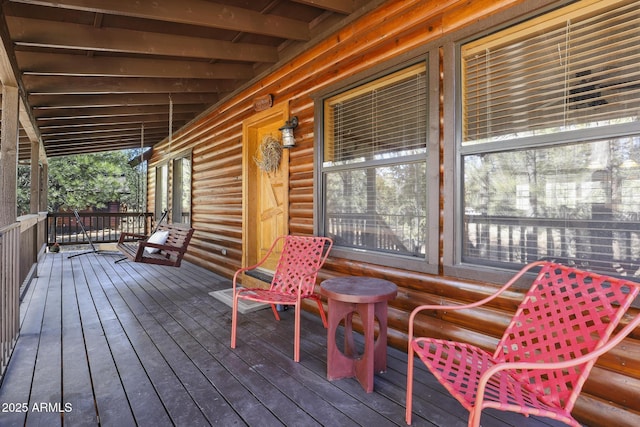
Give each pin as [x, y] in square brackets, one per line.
[288, 140]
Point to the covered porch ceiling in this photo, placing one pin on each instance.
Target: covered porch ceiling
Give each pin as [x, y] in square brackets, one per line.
[93, 73]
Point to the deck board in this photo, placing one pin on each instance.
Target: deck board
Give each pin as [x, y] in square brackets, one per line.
[76, 376]
[138, 344]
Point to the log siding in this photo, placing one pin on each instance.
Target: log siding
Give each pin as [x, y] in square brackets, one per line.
[392, 33]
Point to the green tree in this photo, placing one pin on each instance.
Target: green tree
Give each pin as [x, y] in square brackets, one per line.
[92, 180]
[24, 189]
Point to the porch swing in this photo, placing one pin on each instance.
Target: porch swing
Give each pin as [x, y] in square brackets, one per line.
[168, 243]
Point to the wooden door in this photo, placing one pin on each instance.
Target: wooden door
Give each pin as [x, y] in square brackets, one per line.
[265, 194]
[271, 212]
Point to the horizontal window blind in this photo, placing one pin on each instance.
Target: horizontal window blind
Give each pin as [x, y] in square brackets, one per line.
[383, 119]
[574, 68]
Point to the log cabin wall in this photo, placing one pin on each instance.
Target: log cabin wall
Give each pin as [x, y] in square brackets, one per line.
[391, 32]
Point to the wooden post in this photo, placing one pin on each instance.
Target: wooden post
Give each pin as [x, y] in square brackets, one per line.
[44, 187]
[34, 205]
[9, 155]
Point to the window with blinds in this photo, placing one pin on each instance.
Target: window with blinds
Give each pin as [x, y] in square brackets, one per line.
[574, 68]
[374, 164]
[181, 192]
[384, 119]
[558, 79]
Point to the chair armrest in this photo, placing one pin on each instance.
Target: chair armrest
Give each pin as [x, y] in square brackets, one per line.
[310, 273]
[586, 358]
[240, 271]
[258, 264]
[483, 301]
[614, 341]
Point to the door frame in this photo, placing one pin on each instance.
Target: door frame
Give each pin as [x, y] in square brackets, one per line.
[279, 113]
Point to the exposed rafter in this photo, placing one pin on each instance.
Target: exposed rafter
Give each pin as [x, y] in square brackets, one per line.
[341, 6]
[194, 12]
[104, 66]
[63, 35]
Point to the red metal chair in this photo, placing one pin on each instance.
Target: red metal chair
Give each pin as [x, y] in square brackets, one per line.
[564, 323]
[293, 280]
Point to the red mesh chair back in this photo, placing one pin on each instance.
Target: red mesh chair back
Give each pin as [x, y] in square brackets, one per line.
[565, 314]
[301, 258]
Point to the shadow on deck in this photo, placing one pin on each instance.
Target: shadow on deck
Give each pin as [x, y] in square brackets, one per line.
[135, 344]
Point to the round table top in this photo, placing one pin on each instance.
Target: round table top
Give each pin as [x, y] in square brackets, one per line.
[358, 289]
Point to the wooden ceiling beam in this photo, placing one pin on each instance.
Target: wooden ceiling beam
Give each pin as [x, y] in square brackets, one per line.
[105, 143]
[45, 101]
[106, 136]
[341, 6]
[193, 12]
[65, 113]
[109, 66]
[151, 138]
[134, 141]
[107, 85]
[107, 129]
[58, 127]
[93, 148]
[46, 125]
[99, 131]
[65, 35]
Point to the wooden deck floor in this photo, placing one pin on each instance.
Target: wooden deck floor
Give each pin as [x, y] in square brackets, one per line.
[137, 345]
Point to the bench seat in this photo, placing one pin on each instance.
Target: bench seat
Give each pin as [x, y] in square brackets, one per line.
[170, 253]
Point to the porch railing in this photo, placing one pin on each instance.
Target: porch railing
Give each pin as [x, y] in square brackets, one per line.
[20, 245]
[32, 241]
[101, 227]
[373, 231]
[9, 290]
[607, 245]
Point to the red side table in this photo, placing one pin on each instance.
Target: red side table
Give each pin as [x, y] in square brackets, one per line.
[368, 297]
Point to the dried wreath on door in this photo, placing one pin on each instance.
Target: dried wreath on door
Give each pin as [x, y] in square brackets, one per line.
[269, 154]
